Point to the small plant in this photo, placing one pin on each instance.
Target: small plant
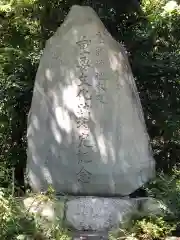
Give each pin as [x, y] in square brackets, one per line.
[152, 228]
[167, 189]
[17, 222]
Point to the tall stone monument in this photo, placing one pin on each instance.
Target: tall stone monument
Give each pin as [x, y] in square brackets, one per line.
[86, 131]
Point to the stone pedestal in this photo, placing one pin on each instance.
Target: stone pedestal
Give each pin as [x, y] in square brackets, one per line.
[89, 235]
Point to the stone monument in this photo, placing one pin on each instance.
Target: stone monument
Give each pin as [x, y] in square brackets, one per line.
[86, 130]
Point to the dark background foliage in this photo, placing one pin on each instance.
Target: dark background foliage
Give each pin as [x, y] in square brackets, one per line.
[153, 43]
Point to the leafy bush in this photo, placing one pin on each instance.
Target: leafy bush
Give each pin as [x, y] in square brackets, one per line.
[167, 189]
[152, 228]
[18, 223]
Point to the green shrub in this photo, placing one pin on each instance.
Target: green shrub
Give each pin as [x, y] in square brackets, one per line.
[152, 228]
[167, 189]
[18, 223]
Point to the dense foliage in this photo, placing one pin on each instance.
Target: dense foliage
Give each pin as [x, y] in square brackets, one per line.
[151, 33]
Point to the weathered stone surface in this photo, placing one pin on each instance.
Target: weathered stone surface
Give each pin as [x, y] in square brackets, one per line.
[150, 206]
[172, 238]
[99, 214]
[131, 238]
[50, 210]
[89, 213]
[86, 131]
